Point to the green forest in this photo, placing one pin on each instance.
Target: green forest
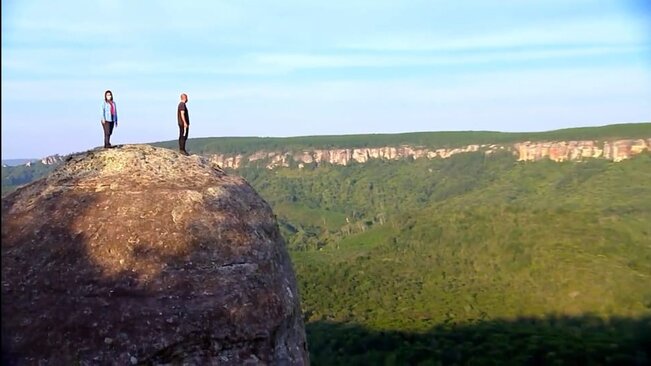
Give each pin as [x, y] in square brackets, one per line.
[500, 260]
[472, 260]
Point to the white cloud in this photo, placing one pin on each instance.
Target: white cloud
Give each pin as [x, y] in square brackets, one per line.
[613, 31]
[295, 61]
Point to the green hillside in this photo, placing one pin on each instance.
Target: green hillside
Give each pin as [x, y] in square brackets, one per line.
[15, 176]
[474, 242]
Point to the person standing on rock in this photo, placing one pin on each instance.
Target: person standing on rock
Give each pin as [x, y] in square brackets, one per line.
[109, 117]
[184, 123]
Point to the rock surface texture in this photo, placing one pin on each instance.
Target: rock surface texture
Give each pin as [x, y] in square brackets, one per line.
[139, 255]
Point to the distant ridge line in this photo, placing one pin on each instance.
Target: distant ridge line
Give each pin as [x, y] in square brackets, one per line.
[441, 139]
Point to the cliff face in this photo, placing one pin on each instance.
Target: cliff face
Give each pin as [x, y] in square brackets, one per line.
[615, 150]
[52, 159]
[139, 255]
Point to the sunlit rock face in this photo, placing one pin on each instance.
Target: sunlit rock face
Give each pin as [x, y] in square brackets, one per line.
[615, 150]
[52, 159]
[139, 255]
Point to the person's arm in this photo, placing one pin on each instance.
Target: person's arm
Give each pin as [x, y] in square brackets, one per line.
[115, 107]
[185, 123]
[103, 112]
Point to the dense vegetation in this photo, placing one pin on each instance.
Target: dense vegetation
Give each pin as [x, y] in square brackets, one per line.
[407, 251]
[552, 340]
[474, 259]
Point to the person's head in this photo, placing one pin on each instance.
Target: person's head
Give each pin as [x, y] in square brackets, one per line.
[184, 98]
[108, 95]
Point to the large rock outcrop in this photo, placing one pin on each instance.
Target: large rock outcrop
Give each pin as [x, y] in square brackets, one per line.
[139, 255]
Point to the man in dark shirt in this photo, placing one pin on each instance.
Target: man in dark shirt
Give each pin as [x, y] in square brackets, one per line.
[184, 123]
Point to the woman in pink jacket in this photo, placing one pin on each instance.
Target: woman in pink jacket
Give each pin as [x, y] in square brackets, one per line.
[109, 117]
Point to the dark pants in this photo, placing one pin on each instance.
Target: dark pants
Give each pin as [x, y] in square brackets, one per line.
[108, 131]
[183, 137]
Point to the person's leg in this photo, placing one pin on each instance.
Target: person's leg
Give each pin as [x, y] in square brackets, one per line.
[181, 140]
[107, 134]
[185, 137]
[111, 125]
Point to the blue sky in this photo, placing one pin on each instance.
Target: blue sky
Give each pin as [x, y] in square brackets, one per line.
[290, 68]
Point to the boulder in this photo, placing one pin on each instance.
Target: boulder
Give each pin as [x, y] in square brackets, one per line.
[140, 255]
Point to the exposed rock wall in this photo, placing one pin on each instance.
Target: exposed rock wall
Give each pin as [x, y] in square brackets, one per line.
[616, 150]
[52, 159]
[139, 255]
